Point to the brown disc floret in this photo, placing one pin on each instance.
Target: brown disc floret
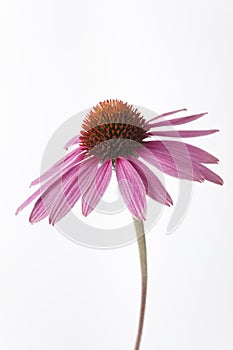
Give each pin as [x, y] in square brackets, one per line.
[113, 129]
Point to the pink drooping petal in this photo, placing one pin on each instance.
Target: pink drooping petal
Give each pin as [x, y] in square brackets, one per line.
[42, 206]
[61, 195]
[65, 200]
[97, 188]
[28, 201]
[58, 175]
[166, 114]
[39, 211]
[75, 140]
[87, 172]
[154, 187]
[177, 121]
[36, 194]
[183, 133]
[167, 163]
[46, 201]
[131, 188]
[85, 175]
[180, 149]
[70, 158]
[209, 175]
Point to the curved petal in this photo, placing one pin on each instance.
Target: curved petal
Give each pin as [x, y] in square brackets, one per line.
[97, 188]
[68, 159]
[177, 121]
[131, 188]
[166, 114]
[65, 200]
[28, 201]
[48, 198]
[72, 190]
[38, 192]
[39, 211]
[154, 187]
[183, 133]
[166, 162]
[58, 175]
[72, 141]
[180, 149]
[209, 175]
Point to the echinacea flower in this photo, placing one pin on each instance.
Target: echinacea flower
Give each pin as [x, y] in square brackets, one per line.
[115, 136]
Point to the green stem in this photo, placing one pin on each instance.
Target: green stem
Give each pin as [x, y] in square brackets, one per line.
[139, 227]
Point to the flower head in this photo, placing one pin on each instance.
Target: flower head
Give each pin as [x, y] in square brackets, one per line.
[113, 129]
[115, 136]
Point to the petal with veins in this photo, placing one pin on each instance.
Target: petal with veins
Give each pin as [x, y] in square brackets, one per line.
[154, 187]
[183, 133]
[177, 121]
[131, 188]
[166, 114]
[97, 188]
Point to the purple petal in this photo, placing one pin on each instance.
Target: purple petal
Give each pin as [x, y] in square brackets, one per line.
[97, 188]
[73, 141]
[183, 133]
[43, 205]
[28, 201]
[166, 162]
[36, 194]
[71, 192]
[177, 121]
[58, 175]
[70, 158]
[65, 200]
[131, 188]
[180, 149]
[209, 175]
[166, 114]
[39, 211]
[154, 187]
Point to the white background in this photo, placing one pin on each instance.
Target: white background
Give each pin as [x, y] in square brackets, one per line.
[57, 58]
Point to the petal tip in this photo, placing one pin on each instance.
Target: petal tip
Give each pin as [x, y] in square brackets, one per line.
[221, 182]
[170, 203]
[33, 183]
[51, 222]
[31, 219]
[85, 213]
